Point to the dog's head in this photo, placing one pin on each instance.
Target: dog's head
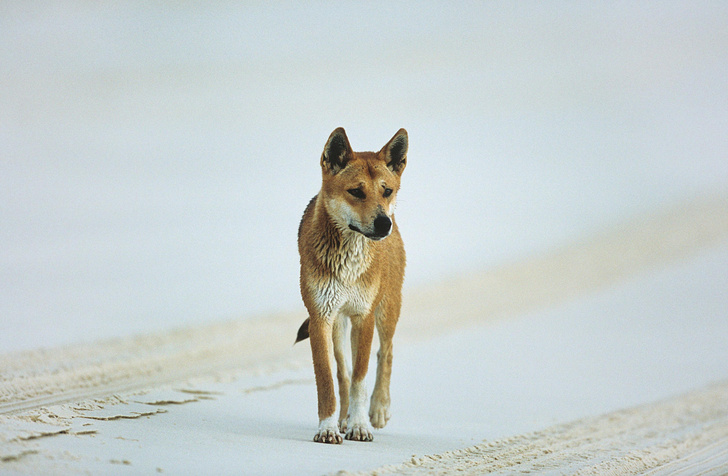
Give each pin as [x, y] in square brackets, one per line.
[360, 188]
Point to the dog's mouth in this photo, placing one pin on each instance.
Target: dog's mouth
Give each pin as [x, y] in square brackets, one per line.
[371, 236]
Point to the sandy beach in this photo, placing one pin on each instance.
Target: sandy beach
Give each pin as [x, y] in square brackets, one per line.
[564, 213]
[617, 364]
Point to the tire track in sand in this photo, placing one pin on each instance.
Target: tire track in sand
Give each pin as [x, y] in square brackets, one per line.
[683, 435]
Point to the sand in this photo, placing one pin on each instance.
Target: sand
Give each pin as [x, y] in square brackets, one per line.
[138, 148]
[683, 435]
[606, 355]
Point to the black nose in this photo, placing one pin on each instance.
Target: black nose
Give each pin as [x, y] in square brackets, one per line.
[382, 225]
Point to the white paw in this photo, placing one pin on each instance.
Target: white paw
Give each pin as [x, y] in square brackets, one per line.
[328, 432]
[358, 424]
[360, 432]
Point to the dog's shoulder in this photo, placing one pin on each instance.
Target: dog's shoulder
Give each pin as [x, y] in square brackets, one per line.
[308, 212]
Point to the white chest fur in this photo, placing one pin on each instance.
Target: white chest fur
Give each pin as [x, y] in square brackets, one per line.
[343, 290]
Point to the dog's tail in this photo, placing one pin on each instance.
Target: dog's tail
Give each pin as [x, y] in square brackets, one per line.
[302, 332]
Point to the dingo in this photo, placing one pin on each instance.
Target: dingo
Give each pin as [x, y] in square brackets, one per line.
[352, 268]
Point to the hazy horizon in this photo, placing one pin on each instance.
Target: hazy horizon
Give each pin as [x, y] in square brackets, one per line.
[155, 160]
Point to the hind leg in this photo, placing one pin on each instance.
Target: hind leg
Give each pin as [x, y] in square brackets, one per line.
[343, 370]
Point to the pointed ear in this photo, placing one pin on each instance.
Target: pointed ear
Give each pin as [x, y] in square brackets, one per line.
[337, 152]
[395, 152]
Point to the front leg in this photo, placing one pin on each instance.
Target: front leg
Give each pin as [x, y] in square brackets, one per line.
[322, 351]
[342, 351]
[358, 427]
[379, 407]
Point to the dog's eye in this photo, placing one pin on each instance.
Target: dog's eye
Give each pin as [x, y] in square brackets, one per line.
[357, 193]
[387, 192]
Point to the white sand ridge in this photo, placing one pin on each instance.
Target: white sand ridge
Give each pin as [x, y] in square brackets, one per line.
[32, 379]
[677, 432]
[683, 435]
